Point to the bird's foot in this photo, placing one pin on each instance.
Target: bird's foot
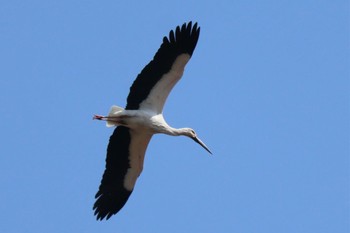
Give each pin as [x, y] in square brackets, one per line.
[99, 117]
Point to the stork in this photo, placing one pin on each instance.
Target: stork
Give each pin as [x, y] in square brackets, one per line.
[142, 118]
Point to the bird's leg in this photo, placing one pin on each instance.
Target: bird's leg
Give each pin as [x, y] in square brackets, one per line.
[99, 117]
[111, 120]
[105, 118]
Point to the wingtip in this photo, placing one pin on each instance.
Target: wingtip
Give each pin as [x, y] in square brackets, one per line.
[109, 203]
[100, 216]
[100, 213]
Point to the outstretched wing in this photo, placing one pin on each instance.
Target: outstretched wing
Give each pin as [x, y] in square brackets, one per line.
[153, 85]
[124, 163]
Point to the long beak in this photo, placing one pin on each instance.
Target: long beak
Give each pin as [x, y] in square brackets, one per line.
[202, 144]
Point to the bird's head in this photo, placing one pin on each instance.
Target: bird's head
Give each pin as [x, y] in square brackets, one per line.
[192, 134]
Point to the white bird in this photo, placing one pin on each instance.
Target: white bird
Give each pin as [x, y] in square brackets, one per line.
[142, 118]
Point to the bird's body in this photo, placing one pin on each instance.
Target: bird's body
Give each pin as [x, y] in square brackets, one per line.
[142, 118]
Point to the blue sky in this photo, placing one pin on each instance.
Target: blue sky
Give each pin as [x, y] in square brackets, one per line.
[267, 89]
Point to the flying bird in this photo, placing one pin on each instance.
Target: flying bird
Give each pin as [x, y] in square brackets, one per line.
[141, 118]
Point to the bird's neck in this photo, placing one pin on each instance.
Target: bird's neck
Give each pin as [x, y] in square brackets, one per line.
[176, 132]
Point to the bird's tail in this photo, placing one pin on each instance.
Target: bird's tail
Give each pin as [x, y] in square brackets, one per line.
[113, 113]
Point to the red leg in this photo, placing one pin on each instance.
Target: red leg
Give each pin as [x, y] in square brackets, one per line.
[98, 117]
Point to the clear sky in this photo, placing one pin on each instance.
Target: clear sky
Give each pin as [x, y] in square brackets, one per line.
[267, 89]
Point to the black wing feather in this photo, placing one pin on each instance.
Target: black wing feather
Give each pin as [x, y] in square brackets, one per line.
[112, 195]
[182, 42]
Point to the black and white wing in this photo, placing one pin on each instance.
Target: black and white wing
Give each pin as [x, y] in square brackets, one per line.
[153, 85]
[124, 164]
